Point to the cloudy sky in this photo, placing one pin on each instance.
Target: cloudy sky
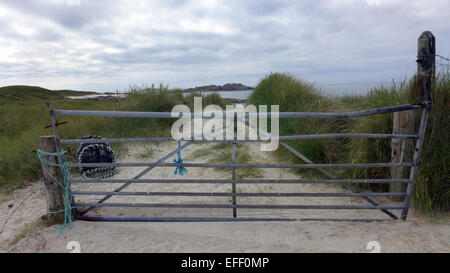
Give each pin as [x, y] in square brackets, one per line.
[105, 45]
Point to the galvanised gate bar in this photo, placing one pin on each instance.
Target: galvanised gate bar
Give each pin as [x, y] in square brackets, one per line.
[424, 80]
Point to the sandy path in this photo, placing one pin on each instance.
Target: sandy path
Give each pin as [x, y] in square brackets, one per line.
[415, 235]
[418, 234]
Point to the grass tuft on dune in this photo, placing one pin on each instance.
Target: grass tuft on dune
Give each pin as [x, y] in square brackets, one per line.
[432, 190]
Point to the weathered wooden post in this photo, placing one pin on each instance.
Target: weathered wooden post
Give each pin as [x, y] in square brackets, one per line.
[426, 65]
[53, 191]
[426, 59]
[404, 122]
[401, 150]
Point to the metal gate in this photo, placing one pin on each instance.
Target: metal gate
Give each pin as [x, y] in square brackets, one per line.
[372, 205]
[235, 206]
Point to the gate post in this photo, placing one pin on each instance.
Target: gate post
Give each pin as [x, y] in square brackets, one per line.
[53, 191]
[426, 58]
[401, 150]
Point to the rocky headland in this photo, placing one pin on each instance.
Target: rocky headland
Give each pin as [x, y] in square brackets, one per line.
[225, 87]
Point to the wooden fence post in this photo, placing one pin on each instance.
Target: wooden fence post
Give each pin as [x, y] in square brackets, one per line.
[424, 81]
[53, 191]
[401, 150]
[426, 62]
[404, 122]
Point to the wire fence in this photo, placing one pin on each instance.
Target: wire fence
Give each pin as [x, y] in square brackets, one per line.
[443, 61]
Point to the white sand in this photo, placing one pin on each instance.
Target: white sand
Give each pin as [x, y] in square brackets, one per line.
[93, 96]
[417, 234]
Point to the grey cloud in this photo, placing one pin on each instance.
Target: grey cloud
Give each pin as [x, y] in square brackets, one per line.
[7, 31]
[48, 35]
[69, 16]
[175, 3]
[175, 55]
[264, 7]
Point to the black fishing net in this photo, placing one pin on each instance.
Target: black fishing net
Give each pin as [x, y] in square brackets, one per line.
[96, 153]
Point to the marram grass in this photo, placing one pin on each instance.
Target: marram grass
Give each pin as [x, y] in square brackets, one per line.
[432, 189]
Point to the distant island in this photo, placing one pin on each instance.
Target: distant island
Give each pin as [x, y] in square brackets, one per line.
[225, 87]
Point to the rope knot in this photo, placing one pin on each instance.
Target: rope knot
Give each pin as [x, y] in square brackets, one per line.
[65, 184]
[180, 169]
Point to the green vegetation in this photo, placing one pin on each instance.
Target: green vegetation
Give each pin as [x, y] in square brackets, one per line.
[22, 121]
[294, 95]
[23, 94]
[432, 191]
[433, 187]
[373, 150]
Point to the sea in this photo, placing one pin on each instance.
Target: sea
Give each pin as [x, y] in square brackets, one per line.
[334, 90]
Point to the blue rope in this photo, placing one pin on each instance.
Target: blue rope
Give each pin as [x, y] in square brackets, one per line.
[64, 184]
[180, 169]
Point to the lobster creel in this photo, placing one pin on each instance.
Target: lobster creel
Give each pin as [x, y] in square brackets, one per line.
[96, 153]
